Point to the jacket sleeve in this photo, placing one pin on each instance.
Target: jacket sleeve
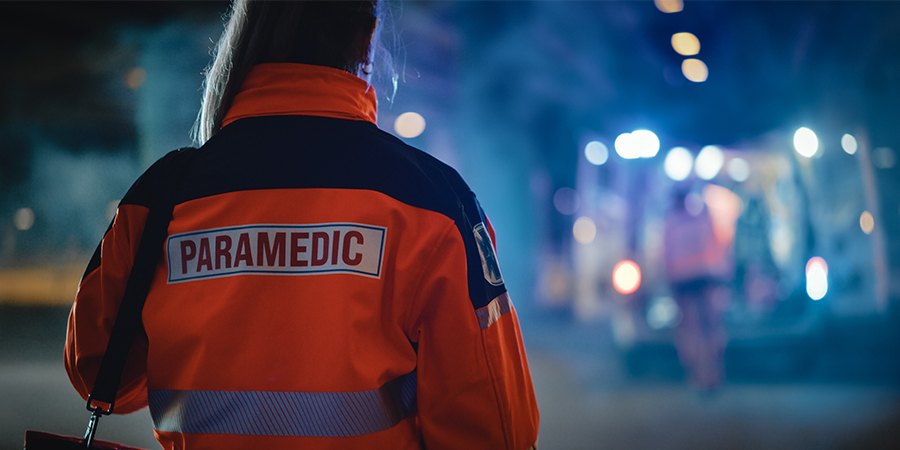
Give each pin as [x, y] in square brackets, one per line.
[97, 303]
[474, 385]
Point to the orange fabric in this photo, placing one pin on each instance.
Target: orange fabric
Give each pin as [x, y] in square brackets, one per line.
[314, 359]
[504, 349]
[334, 332]
[482, 381]
[271, 89]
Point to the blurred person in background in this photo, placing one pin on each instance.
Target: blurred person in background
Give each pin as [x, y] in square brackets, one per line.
[324, 284]
[698, 266]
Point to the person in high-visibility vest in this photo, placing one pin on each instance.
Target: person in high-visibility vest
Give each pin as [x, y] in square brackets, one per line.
[323, 284]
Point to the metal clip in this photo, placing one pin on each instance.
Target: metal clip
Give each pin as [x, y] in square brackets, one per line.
[96, 412]
[92, 427]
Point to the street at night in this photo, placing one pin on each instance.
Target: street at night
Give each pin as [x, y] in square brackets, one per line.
[694, 206]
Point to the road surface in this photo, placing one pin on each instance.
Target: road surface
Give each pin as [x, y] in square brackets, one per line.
[586, 400]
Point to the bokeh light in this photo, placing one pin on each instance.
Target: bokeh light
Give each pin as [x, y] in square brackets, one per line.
[866, 222]
[136, 78]
[849, 144]
[816, 262]
[694, 70]
[596, 153]
[709, 162]
[816, 278]
[679, 163]
[566, 200]
[625, 146]
[23, 219]
[663, 312]
[805, 142]
[584, 230]
[626, 277]
[669, 6]
[637, 144]
[685, 44]
[645, 143]
[739, 169]
[409, 124]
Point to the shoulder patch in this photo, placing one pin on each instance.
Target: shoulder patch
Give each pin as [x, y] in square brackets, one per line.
[489, 264]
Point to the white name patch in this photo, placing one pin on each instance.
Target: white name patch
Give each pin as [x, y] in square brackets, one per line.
[276, 249]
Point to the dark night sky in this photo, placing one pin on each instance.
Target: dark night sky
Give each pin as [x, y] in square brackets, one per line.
[770, 62]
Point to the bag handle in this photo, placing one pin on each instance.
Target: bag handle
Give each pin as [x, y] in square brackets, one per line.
[164, 187]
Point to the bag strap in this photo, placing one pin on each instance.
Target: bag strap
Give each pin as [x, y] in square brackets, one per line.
[164, 188]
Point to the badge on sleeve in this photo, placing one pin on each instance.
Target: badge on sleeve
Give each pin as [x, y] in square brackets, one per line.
[489, 263]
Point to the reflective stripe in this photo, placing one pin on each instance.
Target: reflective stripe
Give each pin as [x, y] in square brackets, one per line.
[270, 413]
[493, 310]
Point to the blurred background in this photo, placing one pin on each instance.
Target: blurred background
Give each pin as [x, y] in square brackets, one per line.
[611, 143]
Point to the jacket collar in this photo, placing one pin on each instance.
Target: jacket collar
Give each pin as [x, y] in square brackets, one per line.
[305, 90]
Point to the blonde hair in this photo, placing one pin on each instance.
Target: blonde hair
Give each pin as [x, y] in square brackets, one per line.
[336, 34]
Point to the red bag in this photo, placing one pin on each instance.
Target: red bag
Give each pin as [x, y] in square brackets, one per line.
[38, 440]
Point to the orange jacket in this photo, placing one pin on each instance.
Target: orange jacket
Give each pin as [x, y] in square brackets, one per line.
[323, 286]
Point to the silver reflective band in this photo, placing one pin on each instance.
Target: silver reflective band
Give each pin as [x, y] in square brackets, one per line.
[272, 413]
[493, 310]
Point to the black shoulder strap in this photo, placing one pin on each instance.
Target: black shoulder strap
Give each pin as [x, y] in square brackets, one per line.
[165, 187]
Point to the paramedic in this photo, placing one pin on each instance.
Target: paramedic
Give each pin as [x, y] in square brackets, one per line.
[323, 285]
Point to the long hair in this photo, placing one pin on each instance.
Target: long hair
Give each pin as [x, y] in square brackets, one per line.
[335, 34]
